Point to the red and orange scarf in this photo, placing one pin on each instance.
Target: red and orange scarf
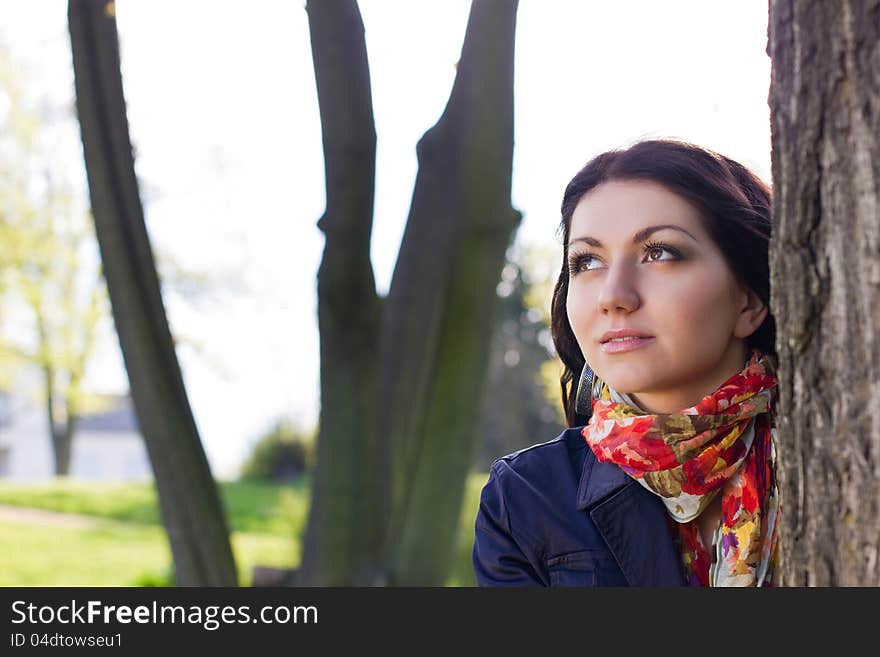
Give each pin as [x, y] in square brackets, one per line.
[722, 445]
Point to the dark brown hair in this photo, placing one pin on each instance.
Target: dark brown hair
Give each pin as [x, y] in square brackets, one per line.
[734, 205]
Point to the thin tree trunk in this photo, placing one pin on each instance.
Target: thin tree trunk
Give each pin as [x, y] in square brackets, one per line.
[825, 102]
[191, 508]
[58, 433]
[59, 437]
[62, 444]
[60, 456]
[345, 526]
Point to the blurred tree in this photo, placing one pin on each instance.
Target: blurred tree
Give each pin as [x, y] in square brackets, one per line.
[45, 264]
[403, 377]
[49, 266]
[521, 406]
[283, 453]
[66, 301]
[191, 507]
[825, 119]
[9, 236]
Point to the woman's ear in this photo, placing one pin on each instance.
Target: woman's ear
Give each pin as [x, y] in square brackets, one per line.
[751, 315]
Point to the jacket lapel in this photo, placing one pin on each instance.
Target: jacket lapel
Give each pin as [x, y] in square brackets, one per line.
[632, 520]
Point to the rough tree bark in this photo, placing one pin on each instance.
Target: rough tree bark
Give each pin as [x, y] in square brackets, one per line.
[825, 108]
[191, 508]
[402, 377]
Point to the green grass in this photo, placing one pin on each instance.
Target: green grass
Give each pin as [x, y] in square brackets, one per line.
[35, 555]
[115, 555]
[127, 546]
[251, 507]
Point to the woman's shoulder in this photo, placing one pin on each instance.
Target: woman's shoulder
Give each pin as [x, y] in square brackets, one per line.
[529, 527]
[569, 439]
[546, 459]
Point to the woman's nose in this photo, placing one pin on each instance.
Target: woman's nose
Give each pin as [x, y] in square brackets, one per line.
[618, 291]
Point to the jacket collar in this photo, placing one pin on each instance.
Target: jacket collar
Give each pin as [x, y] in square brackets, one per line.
[599, 480]
[633, 523]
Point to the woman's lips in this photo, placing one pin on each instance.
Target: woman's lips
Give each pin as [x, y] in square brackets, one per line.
[627, 344]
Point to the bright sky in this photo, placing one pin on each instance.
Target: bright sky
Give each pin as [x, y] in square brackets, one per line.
[224, 118]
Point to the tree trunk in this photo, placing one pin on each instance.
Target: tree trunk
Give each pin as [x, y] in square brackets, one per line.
[191, 508]
[825, 103]
[62, 442]
[442, 302]
[343, 536]
[58, 432]
[402, 378]
[60, 438]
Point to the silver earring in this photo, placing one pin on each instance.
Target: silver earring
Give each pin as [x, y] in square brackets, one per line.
[584, 399]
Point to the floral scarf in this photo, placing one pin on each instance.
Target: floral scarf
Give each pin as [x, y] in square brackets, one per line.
[722, 445]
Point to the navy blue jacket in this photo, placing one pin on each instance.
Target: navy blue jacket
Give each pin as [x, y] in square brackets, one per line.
[553, 515]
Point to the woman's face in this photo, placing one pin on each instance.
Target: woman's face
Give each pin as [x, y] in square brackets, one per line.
[671, 285]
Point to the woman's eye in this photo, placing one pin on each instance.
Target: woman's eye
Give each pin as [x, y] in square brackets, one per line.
[579, 263]
[649, 251]
[653, 252]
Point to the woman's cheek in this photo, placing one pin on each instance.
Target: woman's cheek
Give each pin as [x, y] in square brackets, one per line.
[580, 323]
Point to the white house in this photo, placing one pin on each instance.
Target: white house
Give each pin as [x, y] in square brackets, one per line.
[106, 446]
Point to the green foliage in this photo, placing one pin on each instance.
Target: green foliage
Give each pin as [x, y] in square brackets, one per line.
[283, 453]
[49, 269]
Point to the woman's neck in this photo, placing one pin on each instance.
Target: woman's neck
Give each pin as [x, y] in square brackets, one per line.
[673, 401]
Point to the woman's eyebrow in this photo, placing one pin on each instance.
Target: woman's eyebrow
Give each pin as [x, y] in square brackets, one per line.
[640, 236]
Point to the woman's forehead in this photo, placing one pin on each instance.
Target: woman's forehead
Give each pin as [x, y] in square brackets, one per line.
[616, 210]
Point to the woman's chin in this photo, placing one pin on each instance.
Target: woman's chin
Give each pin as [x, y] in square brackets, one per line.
[626, 383]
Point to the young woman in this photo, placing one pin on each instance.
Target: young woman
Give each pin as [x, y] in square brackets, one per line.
[660, 316]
